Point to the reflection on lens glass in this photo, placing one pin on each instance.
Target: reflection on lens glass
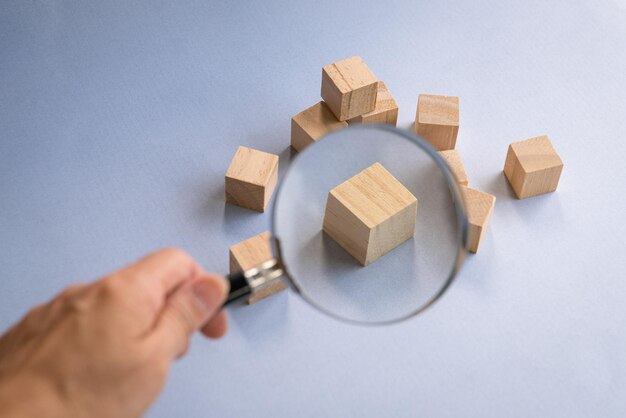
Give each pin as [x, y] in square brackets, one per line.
[409, 274]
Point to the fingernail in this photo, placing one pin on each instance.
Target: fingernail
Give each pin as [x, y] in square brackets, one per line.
[207, 295]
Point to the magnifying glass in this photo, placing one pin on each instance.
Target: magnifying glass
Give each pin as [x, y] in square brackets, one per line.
[398, 285]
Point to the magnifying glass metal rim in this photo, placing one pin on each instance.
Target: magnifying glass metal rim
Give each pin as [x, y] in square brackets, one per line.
[459, 210]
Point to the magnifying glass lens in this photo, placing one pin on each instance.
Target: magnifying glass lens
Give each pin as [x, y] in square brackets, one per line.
[405, 280]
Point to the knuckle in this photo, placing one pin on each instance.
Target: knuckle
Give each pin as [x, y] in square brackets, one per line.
[70, 291]
[58, 303]
[112, 287]
[76, 305]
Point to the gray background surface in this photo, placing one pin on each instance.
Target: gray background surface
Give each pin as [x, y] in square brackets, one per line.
[118, 120]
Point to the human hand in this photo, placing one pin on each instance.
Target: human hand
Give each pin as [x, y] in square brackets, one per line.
[104, 349]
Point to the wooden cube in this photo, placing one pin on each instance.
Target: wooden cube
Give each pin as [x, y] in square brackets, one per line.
[250, 253]
[385, 111]
[349, 88]
[370, 214]
[311, 124]
[437, 120]
[453, 159]
[533, 167]
[478, 207]
[251, 178]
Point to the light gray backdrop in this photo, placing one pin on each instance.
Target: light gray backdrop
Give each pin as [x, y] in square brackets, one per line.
[118, 120]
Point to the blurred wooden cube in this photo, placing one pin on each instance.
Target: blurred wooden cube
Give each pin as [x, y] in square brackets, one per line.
[370, 214]
[533, 167]
[385, 111]
[250, 253]
[437, 120]
[453, 159]
[479, 207]
[251, 178]
[311, 124]
[349, 88]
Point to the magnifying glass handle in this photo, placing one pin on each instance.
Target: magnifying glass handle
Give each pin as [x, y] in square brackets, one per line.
[246, 282]
[239, 287]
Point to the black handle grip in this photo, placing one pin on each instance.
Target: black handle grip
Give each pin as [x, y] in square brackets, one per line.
[239, 287]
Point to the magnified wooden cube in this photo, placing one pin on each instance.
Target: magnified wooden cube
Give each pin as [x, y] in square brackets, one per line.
[437, 120]
[349, 88]
[250, 253]
[251, 178]
[385, 111]
[479, 207]
[533, 167]
[311, 124]
[453, 158]
[370, 214]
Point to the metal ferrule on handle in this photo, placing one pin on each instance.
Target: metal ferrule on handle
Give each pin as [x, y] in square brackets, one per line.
[244, 283]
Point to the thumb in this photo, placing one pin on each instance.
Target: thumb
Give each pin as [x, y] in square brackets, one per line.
[186, 310]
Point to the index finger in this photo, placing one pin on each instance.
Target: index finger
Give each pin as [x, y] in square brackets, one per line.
[164, 270]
